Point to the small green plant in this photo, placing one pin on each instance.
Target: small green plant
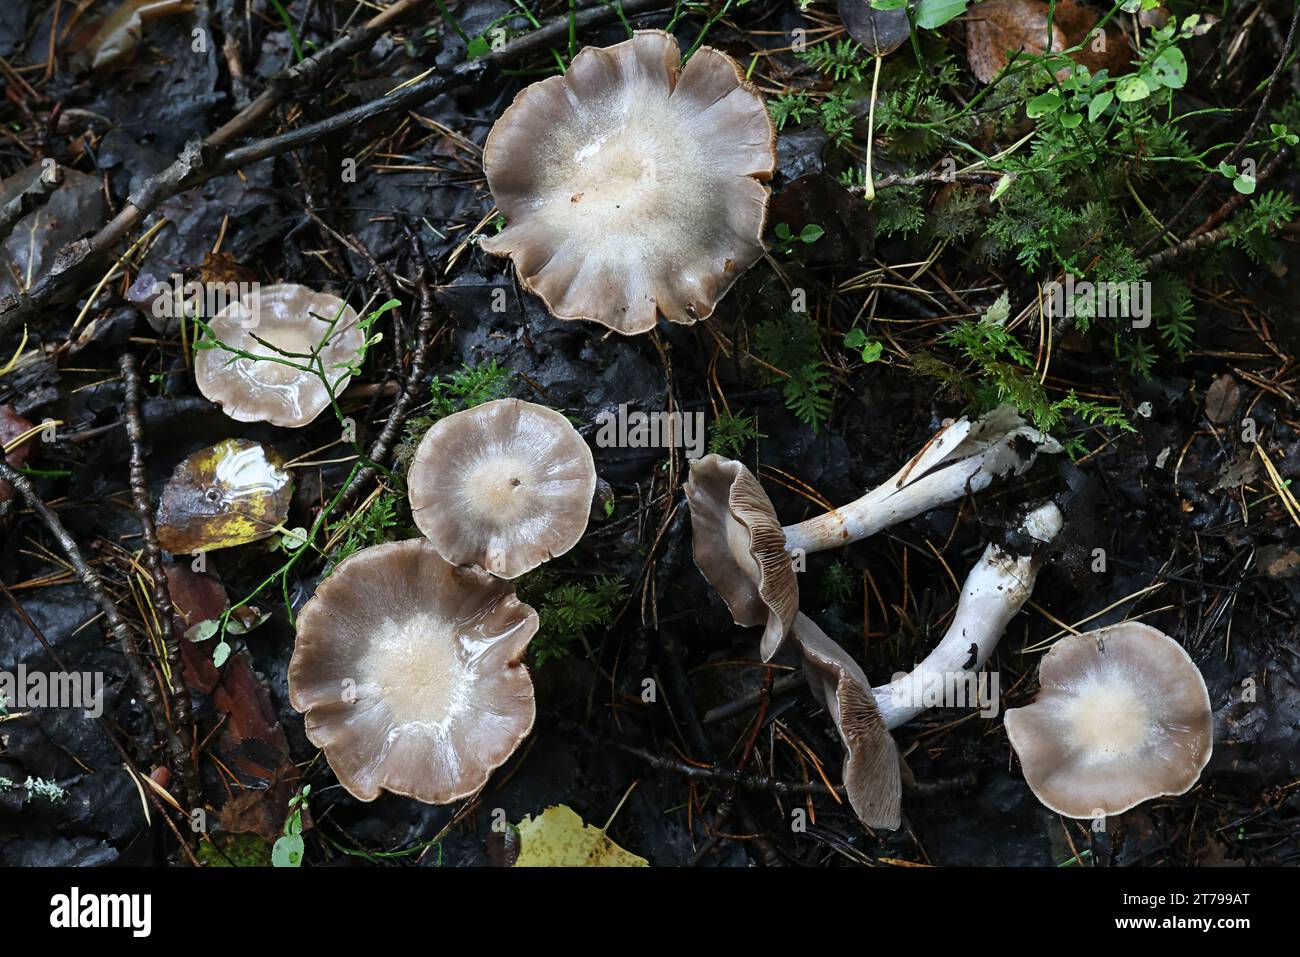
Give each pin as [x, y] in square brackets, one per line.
[385, 519]
[786, 238]
[1000, 369]
[836, 583]
[730, 433]
[870, 350]
[469, 386]
[568, 610]
[793, 345]
[288, 849]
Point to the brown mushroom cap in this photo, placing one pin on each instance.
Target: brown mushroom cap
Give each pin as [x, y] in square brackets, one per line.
[293, 319]
[872, 773]
[409, 673]
[1122, 716]
[740, 548]
[631, 188]
[505, 485]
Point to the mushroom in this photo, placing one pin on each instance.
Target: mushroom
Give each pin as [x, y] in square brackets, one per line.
[1122, 716]
[994, 592]
[409, 673]
[735, 528]
[631, 185]
[740, 547]
[309, 328]
[872, 774]
[505, 485]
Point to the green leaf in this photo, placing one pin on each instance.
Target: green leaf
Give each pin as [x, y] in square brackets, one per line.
[872, 351]
[1132, 88]
[287, 851]
[478, 47]
[202, 631]
[855, 338]
[932, 14]
[1099, 104]
[220, 654]
[1228, 170]
[1044, 104]
[1244, 184]
[1071, 120]
[811, 233]
[1170, 68]
[783, 231]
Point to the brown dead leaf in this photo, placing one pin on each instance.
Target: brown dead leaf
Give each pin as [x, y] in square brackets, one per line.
[997, 29]
[1222, 399]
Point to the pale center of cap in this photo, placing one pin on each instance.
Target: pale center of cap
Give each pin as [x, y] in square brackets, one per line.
[498, 490]
[297, 341]
[420, 669]
[1108, 718]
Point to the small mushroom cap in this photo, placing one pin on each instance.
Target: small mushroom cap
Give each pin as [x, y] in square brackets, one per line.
[740, 548]
[632, 186]
[293, 319]
[1122, 716]
[872, 772]
[409, 673]
[505, 485]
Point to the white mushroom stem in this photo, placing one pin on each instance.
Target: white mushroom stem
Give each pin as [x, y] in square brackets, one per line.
[994, 592]
[962, 458]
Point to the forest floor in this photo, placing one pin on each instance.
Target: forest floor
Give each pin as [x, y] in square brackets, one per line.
[994, 175]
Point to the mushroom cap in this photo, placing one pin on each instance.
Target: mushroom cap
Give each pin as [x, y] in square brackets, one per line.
[631, 185]
[293, 319]
[872, 772]
[409, 673]
[1122, 716]
[740, 547]
[505, 485]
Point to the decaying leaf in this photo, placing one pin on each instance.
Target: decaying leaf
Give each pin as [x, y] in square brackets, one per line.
[1221, 399]
[880, 32]
[112, 41]
[13, 425]
[998, 29]
[558, 838]
[229, 494]
[75, 208]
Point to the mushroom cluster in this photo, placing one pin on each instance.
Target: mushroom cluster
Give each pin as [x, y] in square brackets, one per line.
[633, 186]
[408, 663]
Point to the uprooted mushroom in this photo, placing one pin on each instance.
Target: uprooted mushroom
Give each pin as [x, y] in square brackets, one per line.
[993, 594]
[632, 186]
[1122, 716]
[744, 551]
[409, 673]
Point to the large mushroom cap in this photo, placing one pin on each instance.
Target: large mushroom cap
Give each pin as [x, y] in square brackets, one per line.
[740, 548]
[630, 188]
[1122, 716]
[872, 774]
[293, 319]
[505, 485]
[409, 673]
